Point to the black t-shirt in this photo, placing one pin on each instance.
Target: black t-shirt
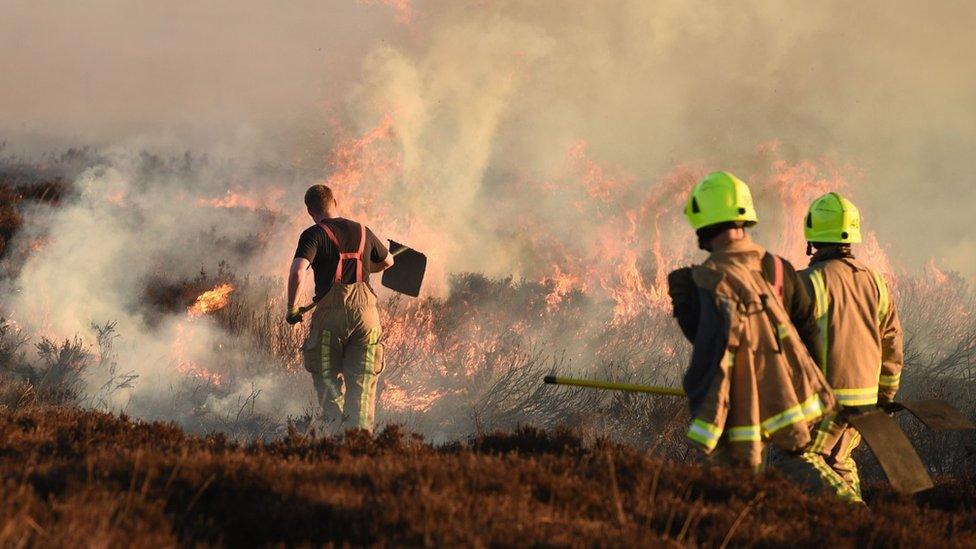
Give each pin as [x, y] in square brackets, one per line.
[315, 246]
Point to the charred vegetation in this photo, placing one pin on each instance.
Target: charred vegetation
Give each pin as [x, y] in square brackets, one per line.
[71, 474]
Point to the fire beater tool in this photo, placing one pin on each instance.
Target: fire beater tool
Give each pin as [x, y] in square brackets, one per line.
[407, 273]
[405, 276]
[614, 386]
[937, 415]
[887, 441]
[895, 453]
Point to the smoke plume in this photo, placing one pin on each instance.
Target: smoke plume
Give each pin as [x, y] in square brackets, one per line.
[550, 141]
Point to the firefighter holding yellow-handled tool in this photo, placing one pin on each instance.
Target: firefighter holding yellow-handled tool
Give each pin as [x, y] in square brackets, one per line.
[751, 381]
[344, 337]
[759, 330]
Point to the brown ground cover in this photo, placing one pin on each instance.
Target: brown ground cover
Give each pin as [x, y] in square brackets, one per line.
[14, 192]
[74, 477]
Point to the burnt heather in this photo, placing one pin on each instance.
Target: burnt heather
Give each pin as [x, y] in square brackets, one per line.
[74, 477]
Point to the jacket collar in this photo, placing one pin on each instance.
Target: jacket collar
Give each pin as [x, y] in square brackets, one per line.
[741, 246]
[831, 252]
[738, 252]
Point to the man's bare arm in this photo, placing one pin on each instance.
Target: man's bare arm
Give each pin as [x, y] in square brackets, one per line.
[296, 275]
[380, 267]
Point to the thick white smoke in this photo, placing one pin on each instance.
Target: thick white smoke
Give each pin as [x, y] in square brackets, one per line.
[138, 222]
[498, 137]
[493, 94]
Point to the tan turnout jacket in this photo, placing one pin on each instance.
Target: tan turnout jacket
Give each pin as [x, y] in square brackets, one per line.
[861, 337]
[765, 386]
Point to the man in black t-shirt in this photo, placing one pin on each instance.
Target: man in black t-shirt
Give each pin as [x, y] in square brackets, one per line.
[345, 331]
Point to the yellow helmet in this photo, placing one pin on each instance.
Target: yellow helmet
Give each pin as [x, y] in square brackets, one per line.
[719, 198]
[833, 219]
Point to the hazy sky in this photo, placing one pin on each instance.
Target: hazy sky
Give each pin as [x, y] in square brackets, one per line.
[100, 71]
[889, 87]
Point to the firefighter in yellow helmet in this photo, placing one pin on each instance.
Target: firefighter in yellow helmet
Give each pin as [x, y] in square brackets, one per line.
[861, 337]
[751, 381]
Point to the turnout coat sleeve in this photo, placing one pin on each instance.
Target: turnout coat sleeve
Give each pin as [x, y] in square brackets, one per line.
[892, 353]
[685, 301]
[708, 379]
[801, 308]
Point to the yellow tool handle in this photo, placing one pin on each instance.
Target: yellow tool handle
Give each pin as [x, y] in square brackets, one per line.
[613, 386]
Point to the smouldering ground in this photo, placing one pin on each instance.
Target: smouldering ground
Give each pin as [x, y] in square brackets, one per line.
[73, 477]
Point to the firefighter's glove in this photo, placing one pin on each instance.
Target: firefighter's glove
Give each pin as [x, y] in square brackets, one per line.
[680, 284]
[889, 406]
[294, 315]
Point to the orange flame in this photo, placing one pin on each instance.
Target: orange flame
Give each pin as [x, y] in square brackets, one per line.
[400, 7]
[187, 366]
[116, 197]
[249, 200]
[37, 244]
[623, 255]
[354, 160]
[598, 183]
[562, 284]
[193, 369]
[796, 185]
[396, 398]
[939, 278]
[210, 301]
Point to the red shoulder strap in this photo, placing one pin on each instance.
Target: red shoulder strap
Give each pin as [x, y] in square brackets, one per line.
[778, 277]
[343, 256]
[330, 234]
[359, 254]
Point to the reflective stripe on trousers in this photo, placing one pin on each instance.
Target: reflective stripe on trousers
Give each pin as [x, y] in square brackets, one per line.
[344, 355]
[807, 469]
[835, 442]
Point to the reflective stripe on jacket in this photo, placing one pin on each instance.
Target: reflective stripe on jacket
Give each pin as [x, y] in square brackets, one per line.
[861, 337]
[762, 383]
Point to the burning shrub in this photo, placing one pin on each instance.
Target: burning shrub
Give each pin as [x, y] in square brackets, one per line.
[57, 375]
[10, 219]
[60, 371]
[54, 377]
[27, 182]
[13, 391]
